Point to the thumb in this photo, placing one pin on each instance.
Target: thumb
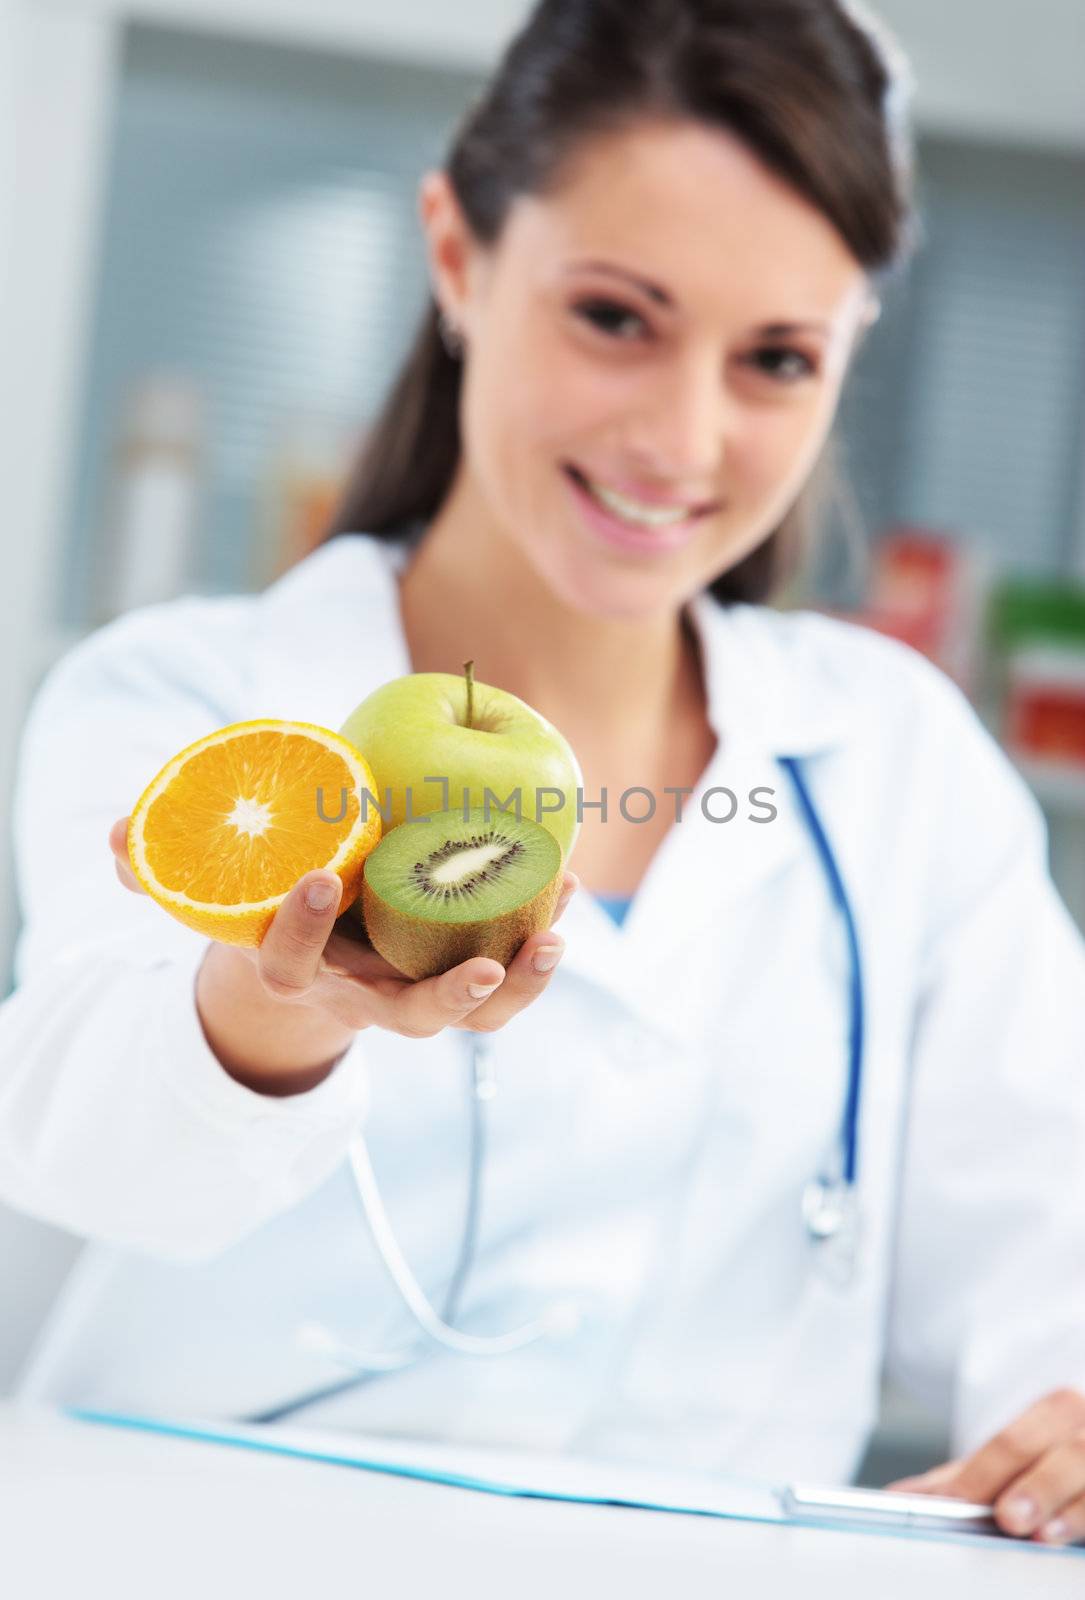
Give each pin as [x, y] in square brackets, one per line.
[321, 893]
[290, 952]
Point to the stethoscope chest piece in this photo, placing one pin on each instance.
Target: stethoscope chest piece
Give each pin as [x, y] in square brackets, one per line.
[830, 1210]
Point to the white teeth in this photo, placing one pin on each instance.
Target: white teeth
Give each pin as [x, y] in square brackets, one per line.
[634, 511]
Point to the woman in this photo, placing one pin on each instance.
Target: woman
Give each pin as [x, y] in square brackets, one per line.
[654, 248]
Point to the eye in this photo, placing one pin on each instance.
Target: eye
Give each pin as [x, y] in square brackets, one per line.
[610, 317]
[783, 363]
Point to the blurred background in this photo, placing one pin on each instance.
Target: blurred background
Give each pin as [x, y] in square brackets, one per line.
[212, 266]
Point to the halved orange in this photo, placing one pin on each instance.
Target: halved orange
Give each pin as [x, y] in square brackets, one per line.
[229, 825]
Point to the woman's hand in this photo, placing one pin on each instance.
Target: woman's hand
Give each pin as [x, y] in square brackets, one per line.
[1032, 1472]
[320, 979]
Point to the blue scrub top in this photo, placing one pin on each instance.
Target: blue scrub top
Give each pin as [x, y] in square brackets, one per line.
[615, 905]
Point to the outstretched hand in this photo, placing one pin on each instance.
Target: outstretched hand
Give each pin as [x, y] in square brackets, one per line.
[323, 957]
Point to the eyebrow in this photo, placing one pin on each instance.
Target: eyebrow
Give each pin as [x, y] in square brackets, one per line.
[772, 330]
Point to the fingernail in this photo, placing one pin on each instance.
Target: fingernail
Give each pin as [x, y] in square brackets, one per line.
[1057, 1528]
[479, 991]
[546, 959]
[1022, 1512]
[319, 896]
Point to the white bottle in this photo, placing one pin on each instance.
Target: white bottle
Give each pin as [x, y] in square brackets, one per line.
[154, 499]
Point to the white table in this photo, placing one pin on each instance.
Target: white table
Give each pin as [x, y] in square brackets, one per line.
[99, 1511]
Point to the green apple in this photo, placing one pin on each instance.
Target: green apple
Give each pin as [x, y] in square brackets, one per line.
[428, 728]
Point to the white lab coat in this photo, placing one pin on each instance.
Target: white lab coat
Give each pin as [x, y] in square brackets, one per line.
[660, 1107]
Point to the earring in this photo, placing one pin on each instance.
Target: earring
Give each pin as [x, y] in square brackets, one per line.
[451, 337]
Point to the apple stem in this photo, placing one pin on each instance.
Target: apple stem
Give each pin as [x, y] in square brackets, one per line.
[469, 673]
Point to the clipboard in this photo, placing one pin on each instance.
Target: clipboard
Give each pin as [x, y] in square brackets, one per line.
[571, 1479]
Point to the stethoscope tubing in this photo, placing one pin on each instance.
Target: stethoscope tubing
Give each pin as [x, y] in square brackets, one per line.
[849, 1133]
[436, 1327]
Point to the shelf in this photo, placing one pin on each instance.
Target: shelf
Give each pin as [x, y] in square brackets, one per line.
[1058, 787]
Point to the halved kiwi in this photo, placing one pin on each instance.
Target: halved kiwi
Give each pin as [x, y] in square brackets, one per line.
[454, 885]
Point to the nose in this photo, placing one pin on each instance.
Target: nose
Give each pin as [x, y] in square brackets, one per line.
[679, 432]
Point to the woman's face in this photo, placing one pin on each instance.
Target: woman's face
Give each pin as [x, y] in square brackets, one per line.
[671, 325]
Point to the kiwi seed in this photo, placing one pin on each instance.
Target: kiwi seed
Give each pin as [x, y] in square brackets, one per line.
[438, 891]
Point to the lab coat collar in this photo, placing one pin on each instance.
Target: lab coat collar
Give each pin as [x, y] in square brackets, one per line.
[758, 688]
[330, 630]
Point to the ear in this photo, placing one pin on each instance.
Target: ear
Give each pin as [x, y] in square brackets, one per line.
[449, 242]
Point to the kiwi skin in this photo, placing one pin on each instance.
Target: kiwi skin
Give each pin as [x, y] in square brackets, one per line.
[422, 949]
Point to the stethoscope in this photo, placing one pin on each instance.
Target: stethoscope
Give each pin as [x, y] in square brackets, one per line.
[830, 1210]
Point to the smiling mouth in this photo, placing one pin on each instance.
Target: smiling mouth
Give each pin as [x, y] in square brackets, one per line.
[637, 513]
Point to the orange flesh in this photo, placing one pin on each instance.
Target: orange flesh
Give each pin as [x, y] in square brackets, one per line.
[240, 821]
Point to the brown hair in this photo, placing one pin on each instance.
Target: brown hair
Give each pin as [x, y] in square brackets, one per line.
[815, 89]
